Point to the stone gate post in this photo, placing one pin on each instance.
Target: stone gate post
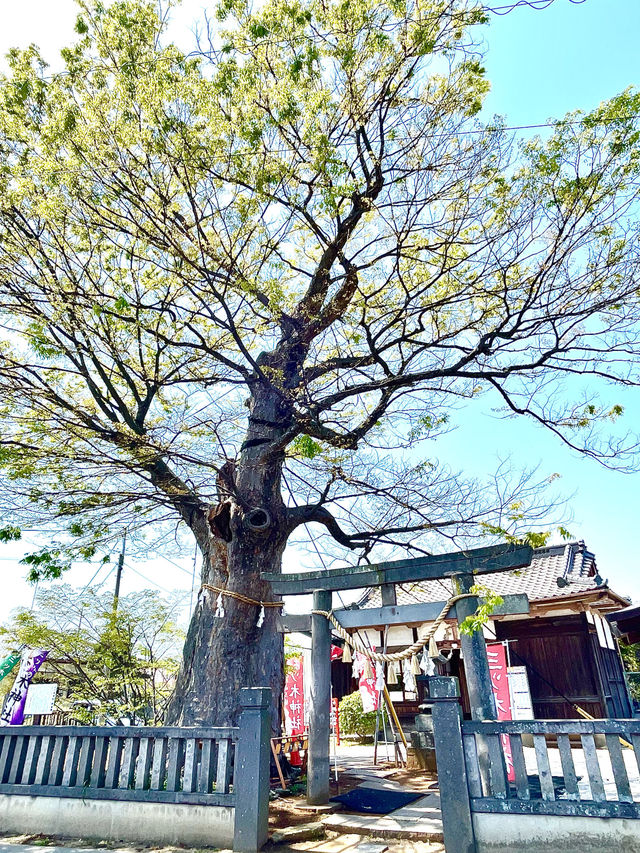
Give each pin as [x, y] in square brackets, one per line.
[251, 776]
[457, 825]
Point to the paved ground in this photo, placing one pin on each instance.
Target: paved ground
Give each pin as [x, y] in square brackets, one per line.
[358, 844]
[420, 821]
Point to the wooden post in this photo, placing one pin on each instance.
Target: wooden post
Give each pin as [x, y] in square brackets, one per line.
[251, 776]
[388, 594]
[457, 824]
[320, 708]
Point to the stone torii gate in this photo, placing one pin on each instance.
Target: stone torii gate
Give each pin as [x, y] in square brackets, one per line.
[461, 567]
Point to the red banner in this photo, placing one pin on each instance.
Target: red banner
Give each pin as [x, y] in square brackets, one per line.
[294, 697]
[336, 652]
[497, 658]
[367, 686]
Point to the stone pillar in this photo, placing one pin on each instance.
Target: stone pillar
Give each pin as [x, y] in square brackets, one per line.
[455, 805]
[251, 775]
[320, 707]
[474, 654]
[476, 670]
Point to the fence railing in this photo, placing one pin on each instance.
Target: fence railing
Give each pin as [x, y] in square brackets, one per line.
[164, 765]
[583, 768]
[571, 767]
[202, 766]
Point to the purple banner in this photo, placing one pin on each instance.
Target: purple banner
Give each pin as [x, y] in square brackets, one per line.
[13, 711]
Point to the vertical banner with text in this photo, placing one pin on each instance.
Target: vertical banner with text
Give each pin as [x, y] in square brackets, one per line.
[13, 711]
[335, 720]
[294, 697]
[497, 657]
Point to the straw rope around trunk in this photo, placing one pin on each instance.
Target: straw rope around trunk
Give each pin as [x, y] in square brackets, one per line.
[240, 597]
[381, 657]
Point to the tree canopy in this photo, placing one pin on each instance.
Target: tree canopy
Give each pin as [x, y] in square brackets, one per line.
[245, 288]
[109, 664]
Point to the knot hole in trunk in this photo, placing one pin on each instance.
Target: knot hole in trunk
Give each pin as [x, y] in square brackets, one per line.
[258, 519]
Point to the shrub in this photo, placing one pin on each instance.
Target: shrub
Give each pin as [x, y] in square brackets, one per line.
[353, 720]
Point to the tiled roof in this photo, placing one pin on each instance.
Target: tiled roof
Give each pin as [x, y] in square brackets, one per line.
[539, 580]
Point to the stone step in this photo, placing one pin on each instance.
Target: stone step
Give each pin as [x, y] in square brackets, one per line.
[419, 821]
[302, 832]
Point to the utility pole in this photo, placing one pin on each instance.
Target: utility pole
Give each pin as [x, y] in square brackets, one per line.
[116, 594]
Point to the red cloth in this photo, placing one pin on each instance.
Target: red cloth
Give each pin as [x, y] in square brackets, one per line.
[294, 697]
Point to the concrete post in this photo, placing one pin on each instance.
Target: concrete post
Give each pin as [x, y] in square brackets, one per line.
[457, 824]
[251, 776]
[320, 707]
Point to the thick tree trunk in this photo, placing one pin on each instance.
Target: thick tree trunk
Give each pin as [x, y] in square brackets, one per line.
[246, 534]
[223, 654]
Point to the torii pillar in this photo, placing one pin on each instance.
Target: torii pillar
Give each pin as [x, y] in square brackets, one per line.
[474, 654]
[460, 567]
[318, 769]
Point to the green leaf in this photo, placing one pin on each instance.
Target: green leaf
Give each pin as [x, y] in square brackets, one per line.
[10, 534]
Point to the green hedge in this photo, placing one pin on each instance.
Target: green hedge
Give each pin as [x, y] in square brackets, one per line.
[353, 720]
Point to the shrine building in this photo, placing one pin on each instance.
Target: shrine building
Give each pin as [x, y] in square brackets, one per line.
[564, 644]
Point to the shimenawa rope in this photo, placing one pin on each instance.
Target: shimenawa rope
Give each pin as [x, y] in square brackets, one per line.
[240, 597]
[219, 614]
[393, 656]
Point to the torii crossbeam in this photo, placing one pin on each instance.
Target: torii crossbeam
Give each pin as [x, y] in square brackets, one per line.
[497, 558]
[461, 566]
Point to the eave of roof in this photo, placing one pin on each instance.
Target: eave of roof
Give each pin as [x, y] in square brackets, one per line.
[572, 562]
[593, 592]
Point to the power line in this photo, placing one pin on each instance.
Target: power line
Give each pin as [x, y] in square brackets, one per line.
[94, 576]
[535, 5]
[177, 565]
[148, 580]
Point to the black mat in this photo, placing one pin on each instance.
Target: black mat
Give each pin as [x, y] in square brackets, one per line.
[376, 800]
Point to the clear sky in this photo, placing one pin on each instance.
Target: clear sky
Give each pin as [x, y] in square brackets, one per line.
[541, 64]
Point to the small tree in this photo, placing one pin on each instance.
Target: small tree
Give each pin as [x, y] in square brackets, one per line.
[630, 653]
[118, 663]
[354, 720]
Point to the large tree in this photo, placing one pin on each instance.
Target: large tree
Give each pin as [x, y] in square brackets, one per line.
[239, 286]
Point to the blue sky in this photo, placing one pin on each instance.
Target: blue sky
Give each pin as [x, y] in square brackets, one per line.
[541, 64]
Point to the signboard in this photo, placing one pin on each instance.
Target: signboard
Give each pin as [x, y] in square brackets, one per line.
[497, 657]
[41, 699]
[521, 704]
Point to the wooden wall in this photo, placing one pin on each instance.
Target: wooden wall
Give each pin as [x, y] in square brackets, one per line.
[563, 651]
